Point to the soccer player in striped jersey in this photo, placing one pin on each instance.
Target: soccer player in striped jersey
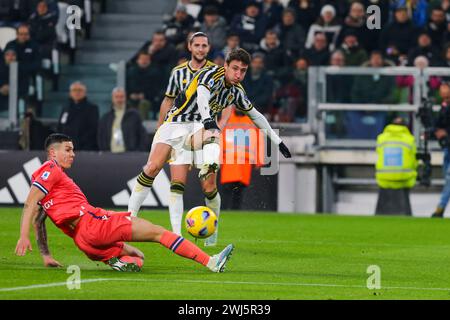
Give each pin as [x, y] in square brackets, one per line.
[191, 121]
[181, 160]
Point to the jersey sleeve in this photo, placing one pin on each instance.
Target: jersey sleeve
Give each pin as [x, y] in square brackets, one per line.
[172, 88]
[46, 177]
[206, 79]
[241, 100]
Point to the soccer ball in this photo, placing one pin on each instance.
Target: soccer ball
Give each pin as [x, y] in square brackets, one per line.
[201, 222]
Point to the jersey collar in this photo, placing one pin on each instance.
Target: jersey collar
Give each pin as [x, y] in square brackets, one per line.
[195, 70]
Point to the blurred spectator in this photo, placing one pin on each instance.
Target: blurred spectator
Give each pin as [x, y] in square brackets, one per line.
[42, 27]
[8, 57]
[417, 10]
[291, 34]
[258, 84]
[338, 86]
[27, 53]
[377, 60]
[233, 42]
[446, 57]
[290, 99]
[215, 27]
[446, 36]
[401, 32]
[318, 54]
[306, 12]
[144, 85]
[52, 7]
[79, 120]
[33, 132]
[338, 91]
[355, 55]
[355, 23]
[274, 57]
[177, 28]
[393, 54]
[340, 6]
[121, 129]
[369, 89]
[192, 8]
[228, 9]
[182, 49]
[250, 26]
[163, 53]
[328, 24]
[425, 48]
[14, 12]
[437, 26]
[218, 58]
[407, 82]
[272, 10]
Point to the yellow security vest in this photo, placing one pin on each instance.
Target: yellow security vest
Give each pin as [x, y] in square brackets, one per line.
[396, 163]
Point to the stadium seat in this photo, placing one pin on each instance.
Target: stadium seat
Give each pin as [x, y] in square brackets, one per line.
[7, 34]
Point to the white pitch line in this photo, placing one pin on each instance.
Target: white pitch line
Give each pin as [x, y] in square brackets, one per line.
[48, 285]
[58, 284]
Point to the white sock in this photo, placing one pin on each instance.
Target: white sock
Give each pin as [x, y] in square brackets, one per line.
[137, 197]
[176, 207]
[214, 205]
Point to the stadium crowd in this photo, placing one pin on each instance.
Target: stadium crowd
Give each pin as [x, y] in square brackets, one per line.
[284, 38]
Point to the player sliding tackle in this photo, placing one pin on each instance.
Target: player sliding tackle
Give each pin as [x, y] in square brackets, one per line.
[210, 91]
[100, 234]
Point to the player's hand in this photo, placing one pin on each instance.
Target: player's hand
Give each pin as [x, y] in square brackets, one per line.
[50, 262]
[23, 245]
[210, 124]
[284, 150]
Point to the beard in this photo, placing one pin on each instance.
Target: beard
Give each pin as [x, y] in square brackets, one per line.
[198, 59]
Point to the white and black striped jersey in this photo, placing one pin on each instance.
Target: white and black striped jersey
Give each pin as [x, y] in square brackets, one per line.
[181, 75]
[185, 109]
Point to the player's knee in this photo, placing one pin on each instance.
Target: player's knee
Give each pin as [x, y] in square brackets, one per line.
[177, 187]
[152, 169]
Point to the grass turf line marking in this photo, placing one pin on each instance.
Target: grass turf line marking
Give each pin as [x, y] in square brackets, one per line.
[48, 285]
[59, 284]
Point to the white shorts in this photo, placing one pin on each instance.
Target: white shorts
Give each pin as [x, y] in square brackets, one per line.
[175, 134]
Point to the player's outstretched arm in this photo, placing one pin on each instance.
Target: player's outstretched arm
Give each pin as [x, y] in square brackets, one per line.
[30, 209]
[41, 238]
[261, 122]
[166, 104]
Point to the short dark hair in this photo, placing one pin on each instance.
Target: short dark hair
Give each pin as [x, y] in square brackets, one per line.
[56, 138]
[211, 10]
[239, 55]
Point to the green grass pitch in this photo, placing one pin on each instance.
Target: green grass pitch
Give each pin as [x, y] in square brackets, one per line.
[277, 256]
